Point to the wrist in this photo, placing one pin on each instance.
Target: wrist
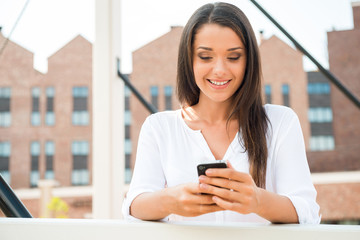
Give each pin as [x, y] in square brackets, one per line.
[260, 195]
[166, 203]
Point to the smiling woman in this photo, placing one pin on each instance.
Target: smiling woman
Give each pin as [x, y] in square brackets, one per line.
[219, 62]
[222, 118]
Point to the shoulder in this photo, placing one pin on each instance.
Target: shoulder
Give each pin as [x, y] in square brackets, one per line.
[278, 113]
[160, 120]
[164, 116]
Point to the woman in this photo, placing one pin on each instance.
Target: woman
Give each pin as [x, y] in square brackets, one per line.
[222, 118]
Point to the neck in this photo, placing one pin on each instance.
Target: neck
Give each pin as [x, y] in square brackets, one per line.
[214, 112]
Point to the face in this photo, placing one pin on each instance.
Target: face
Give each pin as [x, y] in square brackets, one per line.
[219, 63]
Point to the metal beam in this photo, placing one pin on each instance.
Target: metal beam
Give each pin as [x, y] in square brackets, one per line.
[326, 72]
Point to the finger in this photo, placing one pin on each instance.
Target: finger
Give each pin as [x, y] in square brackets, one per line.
[204, 199]
[209, 208]
[221, 192]
[227, 205]
[219, 182]
[229, 174]
[193, 188]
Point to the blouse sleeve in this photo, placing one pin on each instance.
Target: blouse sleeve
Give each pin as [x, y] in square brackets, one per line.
[292, 174]
[148, 175]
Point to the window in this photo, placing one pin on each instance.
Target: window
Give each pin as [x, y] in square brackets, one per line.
[50, 116]
[318, 88]
[320, 115]
[127, 106]
[35, 113]
[268, 93]
[127, 118]
[127, 146]
[35, 153]
[285, 92]
[49, 155]
[322, 143]
[154, 90]
[80, 114]
[128, 149]
[80, 172]
[5, 152]
[168, 97]
[128, 172]
[5, 116]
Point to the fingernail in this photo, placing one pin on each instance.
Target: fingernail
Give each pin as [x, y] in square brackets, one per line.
[203, 186]
[209, 171]
[202, 177]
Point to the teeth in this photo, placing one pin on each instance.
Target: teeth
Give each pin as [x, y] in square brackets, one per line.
[219, 83]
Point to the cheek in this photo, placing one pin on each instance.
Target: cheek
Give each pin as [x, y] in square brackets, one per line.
[200, 70]
[239, 70]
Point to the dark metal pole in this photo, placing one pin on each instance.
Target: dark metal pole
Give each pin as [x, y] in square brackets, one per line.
[146, 104]
[327, 73]
[10, 203]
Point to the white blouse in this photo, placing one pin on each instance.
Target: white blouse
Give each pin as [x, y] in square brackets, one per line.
[169, 151]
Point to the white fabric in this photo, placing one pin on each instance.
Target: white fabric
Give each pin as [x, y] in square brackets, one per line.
[169, 151]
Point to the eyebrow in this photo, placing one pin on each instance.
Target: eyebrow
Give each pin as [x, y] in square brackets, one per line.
[210, 49]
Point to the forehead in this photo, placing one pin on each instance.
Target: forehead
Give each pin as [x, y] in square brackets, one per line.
[215, 35]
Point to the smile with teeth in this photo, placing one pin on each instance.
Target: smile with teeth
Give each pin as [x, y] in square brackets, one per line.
[218, 83]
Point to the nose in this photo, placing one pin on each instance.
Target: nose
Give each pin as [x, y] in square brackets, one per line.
[219, 68]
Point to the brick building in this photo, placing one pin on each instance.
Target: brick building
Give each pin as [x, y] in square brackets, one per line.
[344, 60]
[54, 111]
[154, 75]
[45, 119]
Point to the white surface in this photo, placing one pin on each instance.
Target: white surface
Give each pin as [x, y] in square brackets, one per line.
[54, 229]
[336, 177]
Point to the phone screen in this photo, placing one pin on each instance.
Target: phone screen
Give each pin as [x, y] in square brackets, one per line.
[201, 168]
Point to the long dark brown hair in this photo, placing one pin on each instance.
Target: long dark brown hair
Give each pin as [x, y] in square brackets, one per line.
[247, 102]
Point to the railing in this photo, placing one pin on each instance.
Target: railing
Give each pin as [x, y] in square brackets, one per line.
[326, 72]
[79, 229]
[10, 203]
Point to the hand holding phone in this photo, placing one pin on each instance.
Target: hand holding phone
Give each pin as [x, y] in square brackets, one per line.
[201, 168]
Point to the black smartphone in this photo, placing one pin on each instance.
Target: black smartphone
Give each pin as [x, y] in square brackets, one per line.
[201, 168]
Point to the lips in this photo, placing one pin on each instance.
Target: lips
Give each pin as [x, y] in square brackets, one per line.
[219, 83]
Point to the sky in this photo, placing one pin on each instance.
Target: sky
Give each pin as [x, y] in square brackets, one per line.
[48, 25]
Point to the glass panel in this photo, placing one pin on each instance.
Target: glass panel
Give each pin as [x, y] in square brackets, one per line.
[50, 91]
[168, 91]
[34, 178]
[35, 92]
[35, 148]
[6, 176]
[49, 174]
[128, 146]
[49, 148]
[154, 90]
[285, 89]
[50, 119]
[127, 117]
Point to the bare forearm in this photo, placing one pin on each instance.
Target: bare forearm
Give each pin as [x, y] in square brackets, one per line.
[277, 208]
[150, 206]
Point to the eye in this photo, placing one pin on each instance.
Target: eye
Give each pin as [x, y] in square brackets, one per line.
[205, 58]
[234, 58]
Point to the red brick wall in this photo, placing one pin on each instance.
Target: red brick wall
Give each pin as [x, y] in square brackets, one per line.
[153, 64]
[339, 201]
[282, 64]
[70, 66]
